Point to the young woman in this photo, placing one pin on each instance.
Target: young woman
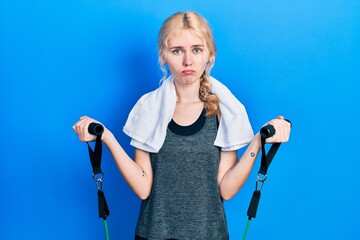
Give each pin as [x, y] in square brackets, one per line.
[186, 135]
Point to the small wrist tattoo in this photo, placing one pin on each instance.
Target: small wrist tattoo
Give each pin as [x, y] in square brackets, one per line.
[252, 154]
[143, 173]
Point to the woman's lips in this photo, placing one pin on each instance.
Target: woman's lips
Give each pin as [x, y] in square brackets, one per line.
[188, 72]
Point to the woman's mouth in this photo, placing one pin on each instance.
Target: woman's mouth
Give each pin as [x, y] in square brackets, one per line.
[188, 72]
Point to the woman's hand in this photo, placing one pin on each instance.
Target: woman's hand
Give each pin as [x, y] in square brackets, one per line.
[81, 129]
[282, 130]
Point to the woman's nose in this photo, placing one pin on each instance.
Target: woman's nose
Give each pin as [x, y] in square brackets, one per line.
[188, 61]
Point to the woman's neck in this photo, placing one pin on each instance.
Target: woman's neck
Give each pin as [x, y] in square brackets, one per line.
[187, 94]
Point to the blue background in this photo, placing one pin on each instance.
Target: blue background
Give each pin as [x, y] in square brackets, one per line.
[60, 60]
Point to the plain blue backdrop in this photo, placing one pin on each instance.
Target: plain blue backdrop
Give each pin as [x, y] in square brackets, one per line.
[60, 60]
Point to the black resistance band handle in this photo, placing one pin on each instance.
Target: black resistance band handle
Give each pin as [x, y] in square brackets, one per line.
[266, 158]
[269, 131]
[96, 129]
[95, 159]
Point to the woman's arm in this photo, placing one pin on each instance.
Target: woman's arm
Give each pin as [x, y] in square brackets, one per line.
[232, 173]
[137, 173]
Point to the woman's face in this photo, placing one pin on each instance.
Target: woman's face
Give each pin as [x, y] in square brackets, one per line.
[186, 57]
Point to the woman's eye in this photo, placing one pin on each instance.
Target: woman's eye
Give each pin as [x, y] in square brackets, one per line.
[176, 51]
[197, 50]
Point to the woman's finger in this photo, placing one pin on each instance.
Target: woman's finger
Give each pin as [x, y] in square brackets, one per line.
[282, 130]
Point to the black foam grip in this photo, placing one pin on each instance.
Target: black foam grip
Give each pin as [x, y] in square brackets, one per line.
[267, 131]
[96, 129]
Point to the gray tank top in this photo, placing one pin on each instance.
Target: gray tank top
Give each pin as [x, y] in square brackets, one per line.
[185, 201]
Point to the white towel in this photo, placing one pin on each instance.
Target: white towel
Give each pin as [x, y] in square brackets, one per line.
[148, 120]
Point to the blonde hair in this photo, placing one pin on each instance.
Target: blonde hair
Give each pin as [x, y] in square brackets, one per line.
[195, 23]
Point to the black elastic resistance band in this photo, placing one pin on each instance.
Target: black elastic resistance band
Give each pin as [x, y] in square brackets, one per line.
[98, 175]
[262, 175]
[266, 159]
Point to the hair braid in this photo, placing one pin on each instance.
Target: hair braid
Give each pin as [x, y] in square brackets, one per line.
[210, 100]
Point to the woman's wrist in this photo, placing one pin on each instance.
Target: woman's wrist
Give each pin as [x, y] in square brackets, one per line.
[107, 136]
[257, 140]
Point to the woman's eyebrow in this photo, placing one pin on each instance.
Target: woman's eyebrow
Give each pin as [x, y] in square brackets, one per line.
[193, 46]
[176, 47]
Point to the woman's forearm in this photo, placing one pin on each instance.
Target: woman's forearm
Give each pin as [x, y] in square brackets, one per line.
[236, 176]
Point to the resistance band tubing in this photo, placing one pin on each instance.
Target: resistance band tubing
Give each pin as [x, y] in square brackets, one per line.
[106, 230]
[246, 229]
